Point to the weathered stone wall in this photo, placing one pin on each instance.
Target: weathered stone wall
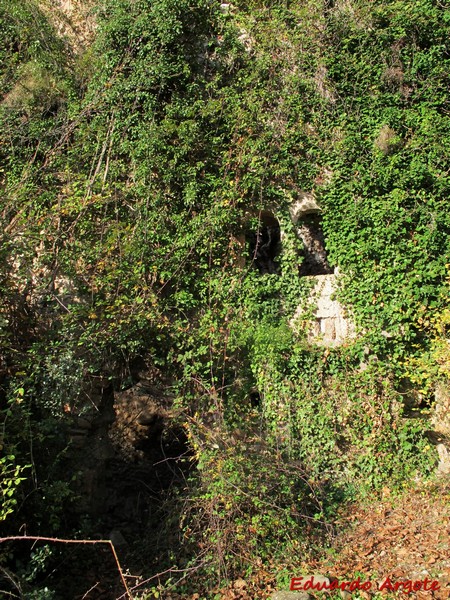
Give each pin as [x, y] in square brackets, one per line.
[440, 420]
[323, 317]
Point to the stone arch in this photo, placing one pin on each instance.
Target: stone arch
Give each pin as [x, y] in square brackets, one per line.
[306, 214]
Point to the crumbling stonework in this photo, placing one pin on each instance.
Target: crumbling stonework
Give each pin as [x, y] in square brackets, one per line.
[323, 317]
[440, 417]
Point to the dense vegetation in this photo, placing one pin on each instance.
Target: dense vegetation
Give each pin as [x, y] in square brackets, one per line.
[131, 175]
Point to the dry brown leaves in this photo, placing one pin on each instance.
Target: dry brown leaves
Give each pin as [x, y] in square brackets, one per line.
[404, 538]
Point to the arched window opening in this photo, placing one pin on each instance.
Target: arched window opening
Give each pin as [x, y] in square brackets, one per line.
[255, 398]
[265, 244]
[315, 262]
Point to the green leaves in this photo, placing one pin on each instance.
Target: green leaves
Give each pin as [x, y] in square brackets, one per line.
[129, 199]
[10, 480]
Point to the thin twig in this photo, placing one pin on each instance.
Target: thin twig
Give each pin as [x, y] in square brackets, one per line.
[9, 594]
[90, 590]
[107, 142]
[8, 575]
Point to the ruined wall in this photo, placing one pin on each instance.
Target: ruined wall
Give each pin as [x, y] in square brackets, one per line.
[323, 318]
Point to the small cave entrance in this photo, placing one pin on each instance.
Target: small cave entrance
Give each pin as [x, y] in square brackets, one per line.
[265, 244]
[315, 261]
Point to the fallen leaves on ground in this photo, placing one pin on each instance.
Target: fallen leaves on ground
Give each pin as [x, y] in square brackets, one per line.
[403, 537]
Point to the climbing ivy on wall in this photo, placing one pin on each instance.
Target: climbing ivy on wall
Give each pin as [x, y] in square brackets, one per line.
[385, 212]
[133, 176]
